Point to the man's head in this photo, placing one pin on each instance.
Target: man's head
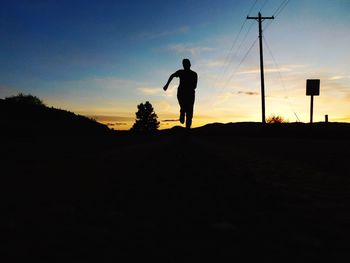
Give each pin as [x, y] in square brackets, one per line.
[186, 63]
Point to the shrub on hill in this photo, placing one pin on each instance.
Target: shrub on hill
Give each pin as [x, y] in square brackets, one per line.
[146, 119]
[25, 99]
[276, 119]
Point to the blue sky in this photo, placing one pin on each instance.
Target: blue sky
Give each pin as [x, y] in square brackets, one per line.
[102, 58]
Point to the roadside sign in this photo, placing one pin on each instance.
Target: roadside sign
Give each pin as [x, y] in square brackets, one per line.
[312, 87]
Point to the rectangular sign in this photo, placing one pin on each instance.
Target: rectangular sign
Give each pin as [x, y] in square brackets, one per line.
[312, 87]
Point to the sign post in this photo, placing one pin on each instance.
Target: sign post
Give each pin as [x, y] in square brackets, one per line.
[312, 89]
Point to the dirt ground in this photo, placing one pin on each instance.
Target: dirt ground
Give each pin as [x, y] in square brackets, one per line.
[181, 197]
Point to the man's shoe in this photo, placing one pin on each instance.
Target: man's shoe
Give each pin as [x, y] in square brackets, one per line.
[188, 124]
[182, 118]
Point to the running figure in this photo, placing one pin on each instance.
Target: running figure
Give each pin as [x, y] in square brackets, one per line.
[185, 91]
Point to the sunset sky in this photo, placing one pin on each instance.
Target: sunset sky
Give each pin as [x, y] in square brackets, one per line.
[102, 58]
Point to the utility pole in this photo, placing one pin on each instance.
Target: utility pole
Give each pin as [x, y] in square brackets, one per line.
[260, 19]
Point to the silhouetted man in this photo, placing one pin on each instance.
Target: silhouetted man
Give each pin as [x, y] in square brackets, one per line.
[185, 91]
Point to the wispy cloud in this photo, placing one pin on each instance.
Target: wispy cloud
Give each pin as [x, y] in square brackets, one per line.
[338, 77]
[150, 90]
[113, 83]
[160, 34]
[211, 63]
[266, 70]
[270, 67]
[163, 106]
[158, 91]
[171, 120]
[222, 97]
[110, 119]
[250, 93]
[188, 48]
[109, 83]
[120, 123]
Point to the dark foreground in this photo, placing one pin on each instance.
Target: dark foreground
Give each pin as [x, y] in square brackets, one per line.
[176, 197]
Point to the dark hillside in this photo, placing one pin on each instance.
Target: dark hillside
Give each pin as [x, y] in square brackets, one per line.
[220, 193]
[30, 119]
[292, 130]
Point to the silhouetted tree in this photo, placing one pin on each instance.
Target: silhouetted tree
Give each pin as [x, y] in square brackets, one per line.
[146, 119]
[276, 119]
[25, 99]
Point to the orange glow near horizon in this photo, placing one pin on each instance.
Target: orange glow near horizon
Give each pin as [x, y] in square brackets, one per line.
[201, 121]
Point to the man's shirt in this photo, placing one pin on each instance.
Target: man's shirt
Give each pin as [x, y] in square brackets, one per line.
[188, 80]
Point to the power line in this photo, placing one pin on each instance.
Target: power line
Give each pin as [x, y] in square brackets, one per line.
[227, 63]
[250, 10]
[227, 59]
[240, 63]
[263, 5]
[281, 79]
[243, 40]
[281, 7]
[278, 11]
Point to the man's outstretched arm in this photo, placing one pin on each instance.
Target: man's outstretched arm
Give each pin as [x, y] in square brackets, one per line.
[169, 80]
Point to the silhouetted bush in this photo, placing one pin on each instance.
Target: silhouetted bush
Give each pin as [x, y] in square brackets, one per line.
[146, 119]
[25, 99]
[276, 119]
[28, 115]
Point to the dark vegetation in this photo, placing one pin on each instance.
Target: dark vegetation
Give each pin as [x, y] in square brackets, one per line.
[146, 119]
[25, 100]
[276, 119]
[25, 115]
[241, 192]
[300, 130]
